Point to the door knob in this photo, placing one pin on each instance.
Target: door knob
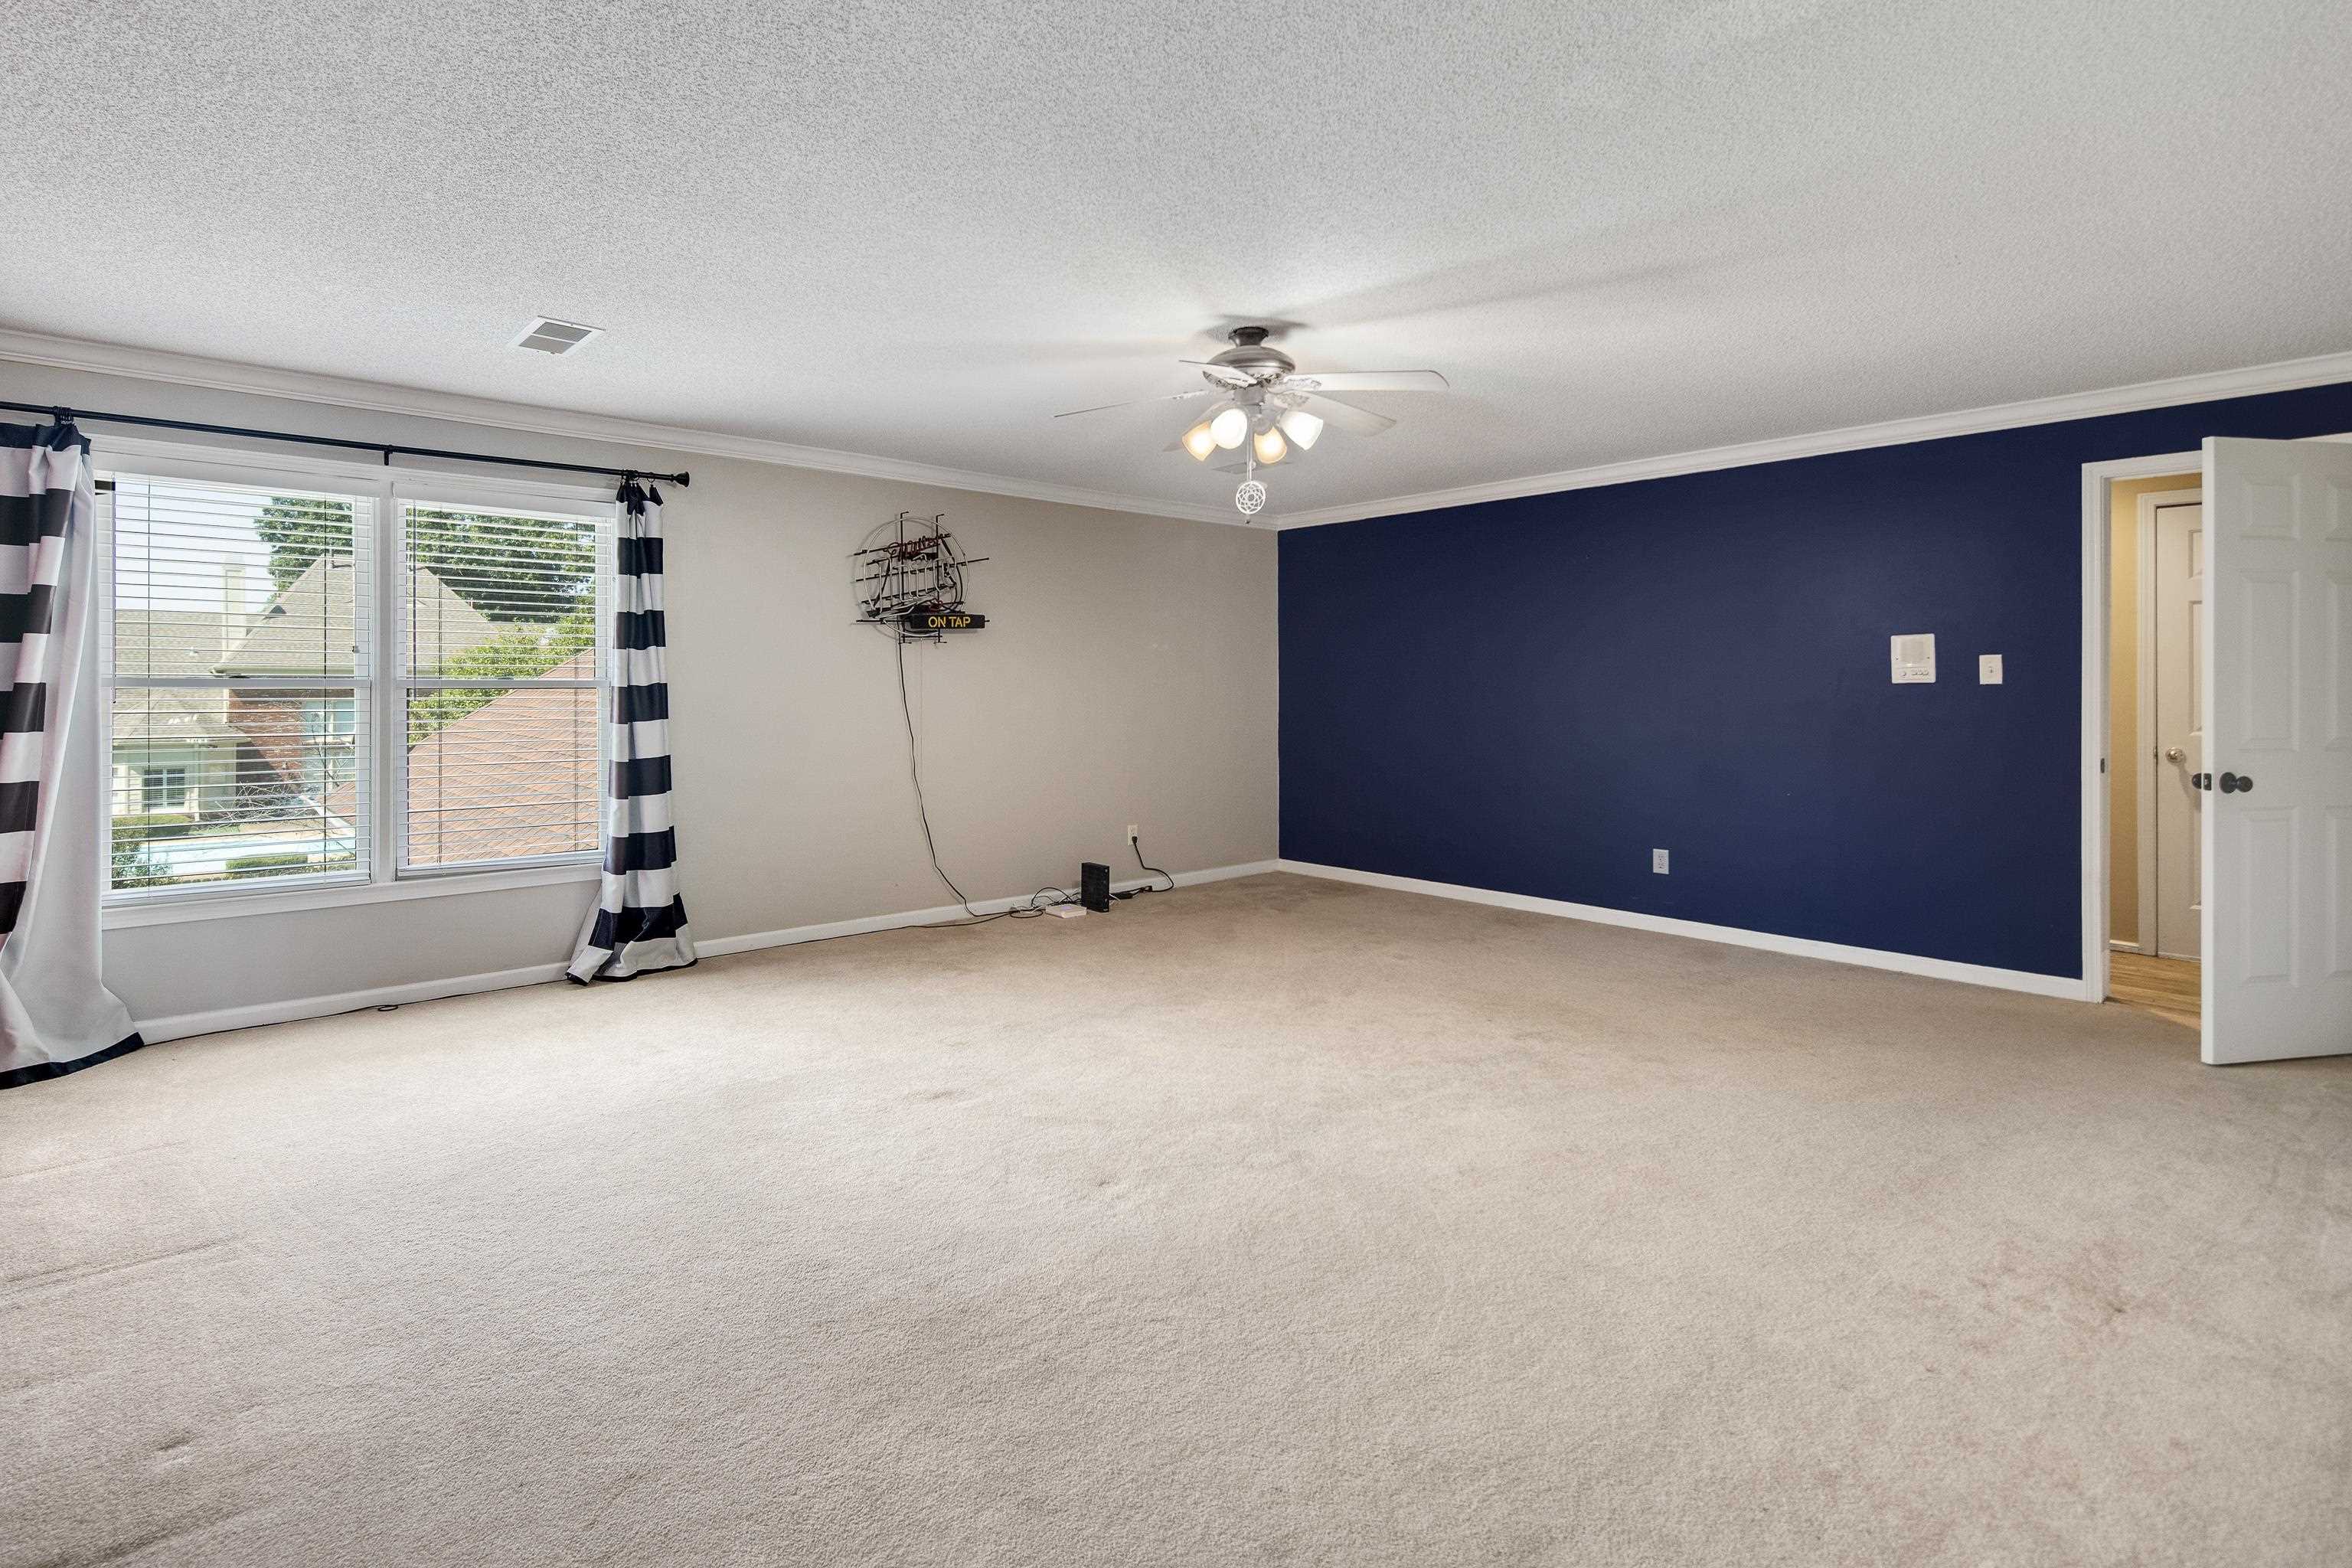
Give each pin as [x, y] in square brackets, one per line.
[2236, 783]
[2175, 754]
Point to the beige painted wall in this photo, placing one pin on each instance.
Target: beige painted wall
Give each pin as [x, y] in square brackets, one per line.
[2123, 696]
[1128, 674]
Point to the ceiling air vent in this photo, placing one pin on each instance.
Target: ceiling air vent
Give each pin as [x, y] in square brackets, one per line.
[553, 337]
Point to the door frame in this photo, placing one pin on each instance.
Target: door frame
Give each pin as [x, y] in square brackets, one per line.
[2098, 479]
[2143, 724]
[2098, 587]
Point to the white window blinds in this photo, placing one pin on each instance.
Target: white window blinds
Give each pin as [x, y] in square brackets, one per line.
[237, 659]
[497, 652]
[325, 677]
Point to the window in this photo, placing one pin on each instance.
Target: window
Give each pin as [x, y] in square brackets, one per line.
[239, 612]
[317, 678]
[498, 652]
[163, 789]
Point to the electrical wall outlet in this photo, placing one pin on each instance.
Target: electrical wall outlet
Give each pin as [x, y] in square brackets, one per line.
[1131, 833]
[1988, 669]
[1658, 862]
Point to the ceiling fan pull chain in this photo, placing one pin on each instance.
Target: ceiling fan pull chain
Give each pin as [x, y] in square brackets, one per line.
[1250, 496]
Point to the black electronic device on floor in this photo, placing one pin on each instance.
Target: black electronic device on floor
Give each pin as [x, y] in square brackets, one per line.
[1094, 886]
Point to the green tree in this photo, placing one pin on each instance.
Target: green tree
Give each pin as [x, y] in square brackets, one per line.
[133, 867]
[511, 653]
[513, 571]
[299, 530]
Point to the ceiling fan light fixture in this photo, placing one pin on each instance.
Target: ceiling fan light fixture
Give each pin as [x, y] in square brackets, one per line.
[1302, 427]
[1229, 429]
[1270, 446]
[1200, 441]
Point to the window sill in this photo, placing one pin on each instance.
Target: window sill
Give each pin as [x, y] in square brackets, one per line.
[172, 910]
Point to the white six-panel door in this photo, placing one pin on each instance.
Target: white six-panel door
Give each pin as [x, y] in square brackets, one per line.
[2278, 676]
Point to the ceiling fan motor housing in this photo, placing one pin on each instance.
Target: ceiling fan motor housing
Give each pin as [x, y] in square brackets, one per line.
[1251, 356]
[1260, 398]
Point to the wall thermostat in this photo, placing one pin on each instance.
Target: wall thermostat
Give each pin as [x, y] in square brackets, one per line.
[1915, 657]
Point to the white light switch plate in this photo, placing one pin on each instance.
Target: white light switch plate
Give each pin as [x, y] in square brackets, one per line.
[1658, 862]
[1988, 669]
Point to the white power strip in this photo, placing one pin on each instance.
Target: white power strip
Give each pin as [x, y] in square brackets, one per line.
[1068, 912]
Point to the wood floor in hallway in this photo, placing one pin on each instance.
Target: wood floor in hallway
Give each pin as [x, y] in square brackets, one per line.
[2171, 988]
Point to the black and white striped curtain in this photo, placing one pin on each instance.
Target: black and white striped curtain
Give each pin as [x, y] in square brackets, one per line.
[56, 1014]
[640, 921]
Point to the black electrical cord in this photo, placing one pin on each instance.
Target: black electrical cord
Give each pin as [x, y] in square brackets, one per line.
[1039, 902]
[922, 809]
[1137, 845]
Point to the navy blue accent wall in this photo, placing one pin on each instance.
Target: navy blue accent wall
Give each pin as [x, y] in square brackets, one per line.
[1529, 695]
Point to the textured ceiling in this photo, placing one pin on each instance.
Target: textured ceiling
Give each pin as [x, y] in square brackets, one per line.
[917, 230]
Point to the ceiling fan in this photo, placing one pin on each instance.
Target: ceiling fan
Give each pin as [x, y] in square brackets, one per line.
[1264, 398]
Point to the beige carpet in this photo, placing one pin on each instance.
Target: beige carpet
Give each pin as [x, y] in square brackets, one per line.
[1270, 1222]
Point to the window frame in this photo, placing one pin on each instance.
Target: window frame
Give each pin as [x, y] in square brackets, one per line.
[391, 837]
[380, 681]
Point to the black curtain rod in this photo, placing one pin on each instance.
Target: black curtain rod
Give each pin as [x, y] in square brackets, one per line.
[66, 415]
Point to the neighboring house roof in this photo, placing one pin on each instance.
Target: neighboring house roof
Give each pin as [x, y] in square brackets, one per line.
[517, 775]
[307, 629]
[506, 780]
[164, 644]
[168, 719]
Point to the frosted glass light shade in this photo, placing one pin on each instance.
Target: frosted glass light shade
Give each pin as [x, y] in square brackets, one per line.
[1229, 427]
[1271, 446]
[1301, 426]
[1200, 441]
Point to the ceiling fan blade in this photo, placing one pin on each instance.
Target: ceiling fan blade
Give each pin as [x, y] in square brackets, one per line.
[1367, 381]
[1345, 416]
[1223, 373]
[1134, 403]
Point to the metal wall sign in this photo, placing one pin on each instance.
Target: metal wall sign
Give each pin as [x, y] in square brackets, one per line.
[923, 622]
[910, 579]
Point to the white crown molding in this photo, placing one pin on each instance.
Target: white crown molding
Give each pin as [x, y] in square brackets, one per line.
[223, 375]
[2284, 376]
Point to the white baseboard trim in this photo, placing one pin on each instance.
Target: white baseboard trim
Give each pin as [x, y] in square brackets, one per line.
[2064, 987]
[181, 1025]
[753, 940]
